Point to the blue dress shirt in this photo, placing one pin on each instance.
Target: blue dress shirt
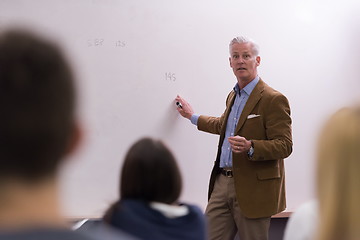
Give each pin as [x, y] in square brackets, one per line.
[242, 95]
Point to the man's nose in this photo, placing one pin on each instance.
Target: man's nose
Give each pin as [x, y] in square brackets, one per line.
[240, 60]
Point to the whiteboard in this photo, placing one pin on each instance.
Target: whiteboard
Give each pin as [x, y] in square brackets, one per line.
[131, 59]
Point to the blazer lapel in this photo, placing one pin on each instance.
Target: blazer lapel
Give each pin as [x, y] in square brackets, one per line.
[250, 104]
[226, 114]
[228, 110]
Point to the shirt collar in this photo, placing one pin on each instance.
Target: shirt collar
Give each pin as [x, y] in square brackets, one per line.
[248, 88]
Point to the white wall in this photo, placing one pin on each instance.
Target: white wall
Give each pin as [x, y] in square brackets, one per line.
[123, 50]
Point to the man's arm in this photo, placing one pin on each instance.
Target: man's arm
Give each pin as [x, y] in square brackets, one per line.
[204, 123]
[215, 124]
[210, 124]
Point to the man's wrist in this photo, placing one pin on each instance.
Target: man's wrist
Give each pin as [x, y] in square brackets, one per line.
[194, 119]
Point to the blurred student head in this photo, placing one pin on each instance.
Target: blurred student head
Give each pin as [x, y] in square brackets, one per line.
[37, 129]
[338, 176]
[150, 173]
[37, 101]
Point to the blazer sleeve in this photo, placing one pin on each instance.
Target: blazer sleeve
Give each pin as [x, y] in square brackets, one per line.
[278, 141]
[215, 124]
[210, 124]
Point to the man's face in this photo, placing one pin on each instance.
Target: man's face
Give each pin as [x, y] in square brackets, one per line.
[243, 61]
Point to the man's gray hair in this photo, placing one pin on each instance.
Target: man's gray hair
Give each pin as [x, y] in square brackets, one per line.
[243, 39]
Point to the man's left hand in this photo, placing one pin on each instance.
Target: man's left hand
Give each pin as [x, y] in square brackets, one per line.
[239, 144]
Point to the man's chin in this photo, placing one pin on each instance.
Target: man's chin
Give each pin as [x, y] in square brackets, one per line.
[242, 76]
[244, 79]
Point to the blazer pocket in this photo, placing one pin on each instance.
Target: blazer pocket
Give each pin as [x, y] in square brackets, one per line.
[266, 174]
[251, 116]
[253, 122]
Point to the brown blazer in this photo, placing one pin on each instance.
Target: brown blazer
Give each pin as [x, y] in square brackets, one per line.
[260, 180]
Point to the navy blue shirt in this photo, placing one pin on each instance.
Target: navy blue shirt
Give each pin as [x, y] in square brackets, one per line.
[137, 218]
[43, 234]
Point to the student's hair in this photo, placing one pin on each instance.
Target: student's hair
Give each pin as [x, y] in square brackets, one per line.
[36, 106]
[149, 173]
[244, 39]
[338, 176]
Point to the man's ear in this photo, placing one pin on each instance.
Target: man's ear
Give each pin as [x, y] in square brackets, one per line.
[257, 59]
[75, 139]
[230, 61]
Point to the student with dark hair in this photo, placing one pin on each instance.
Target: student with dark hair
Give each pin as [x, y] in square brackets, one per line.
[150, 186]
[38, 129]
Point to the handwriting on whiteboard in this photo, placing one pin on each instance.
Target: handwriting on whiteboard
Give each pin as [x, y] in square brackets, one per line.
[103, 2]
[100, 42]
[170, 76]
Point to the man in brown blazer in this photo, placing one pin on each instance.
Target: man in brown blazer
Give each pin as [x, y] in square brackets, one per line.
[247, 184]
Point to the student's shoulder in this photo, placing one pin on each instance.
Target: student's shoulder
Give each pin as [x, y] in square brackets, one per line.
[97, 233]
[98, 230]
[195, 210]
[193, 207]
[43, 234]
[302, 223]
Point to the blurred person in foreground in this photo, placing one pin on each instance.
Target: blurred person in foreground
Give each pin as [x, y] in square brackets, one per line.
[336, 213]
[38, 130]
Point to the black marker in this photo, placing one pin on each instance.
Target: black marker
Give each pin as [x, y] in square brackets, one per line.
[178, 104]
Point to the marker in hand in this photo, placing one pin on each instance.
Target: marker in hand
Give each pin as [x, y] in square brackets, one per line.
[183, 107]
[178, 104]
